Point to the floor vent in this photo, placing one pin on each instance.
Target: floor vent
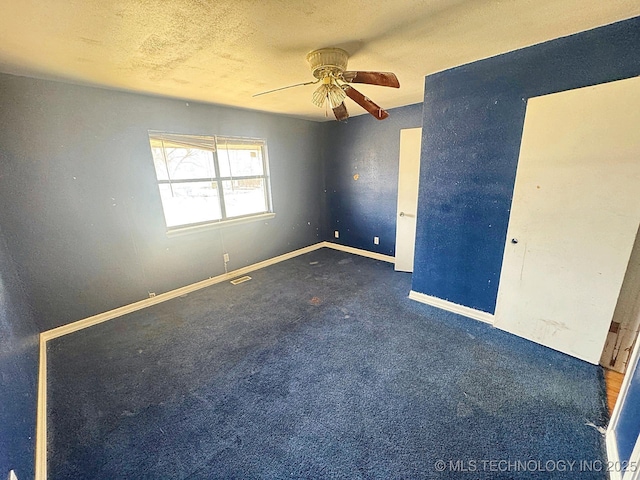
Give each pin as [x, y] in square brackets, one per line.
[237, 281]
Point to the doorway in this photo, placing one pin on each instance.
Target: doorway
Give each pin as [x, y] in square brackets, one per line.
[408, 178]
[623, 331]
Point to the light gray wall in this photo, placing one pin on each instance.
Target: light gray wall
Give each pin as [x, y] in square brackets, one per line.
[81, 209]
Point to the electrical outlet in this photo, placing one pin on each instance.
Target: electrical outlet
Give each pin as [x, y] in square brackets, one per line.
[336, 234]
[376, 240]
[225, 257]
[12, 475]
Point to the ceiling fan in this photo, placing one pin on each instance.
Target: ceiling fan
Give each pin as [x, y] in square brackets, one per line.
[329, 67]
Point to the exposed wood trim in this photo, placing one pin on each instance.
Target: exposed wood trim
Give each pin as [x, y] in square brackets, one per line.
[452, 307]
[359, 251]
[613, 382]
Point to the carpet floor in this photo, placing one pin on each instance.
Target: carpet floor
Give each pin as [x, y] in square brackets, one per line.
[319, 367]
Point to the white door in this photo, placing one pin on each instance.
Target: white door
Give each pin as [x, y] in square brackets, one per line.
[408, 176]
[574, 216]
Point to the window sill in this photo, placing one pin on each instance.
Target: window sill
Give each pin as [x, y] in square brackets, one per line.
[179, 231]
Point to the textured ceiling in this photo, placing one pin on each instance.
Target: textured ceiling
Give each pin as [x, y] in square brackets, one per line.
[225, 51]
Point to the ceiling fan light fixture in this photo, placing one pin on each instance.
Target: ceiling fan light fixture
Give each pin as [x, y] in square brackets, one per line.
[330, 92]
[336, 95]
[329, 67]
[320, 95]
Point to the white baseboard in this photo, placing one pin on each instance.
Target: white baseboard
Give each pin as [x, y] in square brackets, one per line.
[452, 307]
[612, 454]
[163, 297]
[359, 251]
[41, 415]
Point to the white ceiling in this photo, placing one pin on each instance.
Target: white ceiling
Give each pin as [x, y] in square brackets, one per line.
[224, 51]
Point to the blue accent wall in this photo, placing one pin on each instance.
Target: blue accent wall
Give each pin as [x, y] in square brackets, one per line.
[81, 209]
[365, 207]
[472, 128]
[18, 372]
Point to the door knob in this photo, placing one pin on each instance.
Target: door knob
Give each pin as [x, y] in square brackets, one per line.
[514, 240]
[402, 214]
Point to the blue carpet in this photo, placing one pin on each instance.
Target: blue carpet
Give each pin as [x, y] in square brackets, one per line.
[319, 367]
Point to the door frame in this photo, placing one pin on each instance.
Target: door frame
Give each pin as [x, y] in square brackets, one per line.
[610, 435]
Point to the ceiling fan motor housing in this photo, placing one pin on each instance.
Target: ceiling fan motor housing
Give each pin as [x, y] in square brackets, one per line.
[325, 61]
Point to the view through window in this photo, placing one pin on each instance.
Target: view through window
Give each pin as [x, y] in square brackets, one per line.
[210, 179]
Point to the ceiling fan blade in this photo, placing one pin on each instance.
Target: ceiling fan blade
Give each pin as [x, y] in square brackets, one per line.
[384, 79]
[365, 103]
[284, 88]
[341, 112]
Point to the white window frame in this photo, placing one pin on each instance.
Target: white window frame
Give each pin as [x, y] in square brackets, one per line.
[211, 143]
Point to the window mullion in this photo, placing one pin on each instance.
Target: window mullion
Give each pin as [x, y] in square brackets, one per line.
[223, 209]
[265, 174]
[166, 166]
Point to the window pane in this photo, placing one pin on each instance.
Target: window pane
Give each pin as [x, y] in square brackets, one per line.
[244, 197]
[158, 162]
[191, 202]
[189, 167]
[237, 161]
[185, 163]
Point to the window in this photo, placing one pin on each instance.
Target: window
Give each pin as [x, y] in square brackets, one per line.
[210, 180]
